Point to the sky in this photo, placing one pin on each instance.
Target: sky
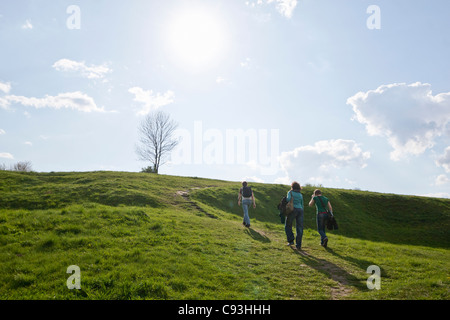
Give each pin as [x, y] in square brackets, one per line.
[335, 93]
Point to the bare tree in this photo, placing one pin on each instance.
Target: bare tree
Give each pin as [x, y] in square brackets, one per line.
[23, 166]
[155, 139]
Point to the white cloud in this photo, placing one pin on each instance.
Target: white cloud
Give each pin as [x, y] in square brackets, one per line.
[4, 104]
[27, 25]
[150, 100]
[2, 131]
[246, 63]
[71, 100]
[437, 195]
[442, 179]
[284, 7]
[6, 155]
[409, 116]
[249, 64]
[90, 72]
[252, 179]
[222, 80]
[5, 87]
[28, 143]
[316, 163]
[444, 160]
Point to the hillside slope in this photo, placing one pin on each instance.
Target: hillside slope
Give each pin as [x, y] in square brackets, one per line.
[145, 236]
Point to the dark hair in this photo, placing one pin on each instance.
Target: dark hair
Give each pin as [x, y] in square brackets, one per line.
[244, 183]
[317, 192]
[295, 186]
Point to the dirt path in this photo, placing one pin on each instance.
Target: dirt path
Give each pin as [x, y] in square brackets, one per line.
[185, 195]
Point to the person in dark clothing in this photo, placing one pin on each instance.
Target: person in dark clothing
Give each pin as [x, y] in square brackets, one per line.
[247, 197]
[322, 205]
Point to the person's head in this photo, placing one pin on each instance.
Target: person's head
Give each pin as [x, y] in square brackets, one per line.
[244, 183]
[317, 192]
[295, 186]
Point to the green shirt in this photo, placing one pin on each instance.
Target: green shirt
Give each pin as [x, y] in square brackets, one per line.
[319, 207]
[298, 199]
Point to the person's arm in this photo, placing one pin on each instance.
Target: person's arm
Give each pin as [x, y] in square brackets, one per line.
[239, 198]
[329, 206]
[253, 198]
[311, 203]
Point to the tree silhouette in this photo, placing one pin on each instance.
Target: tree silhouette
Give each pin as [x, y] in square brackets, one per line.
[155, 140]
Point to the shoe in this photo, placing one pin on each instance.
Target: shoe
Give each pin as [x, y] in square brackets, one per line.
[325, 242]
[299, 248]
[291, 243]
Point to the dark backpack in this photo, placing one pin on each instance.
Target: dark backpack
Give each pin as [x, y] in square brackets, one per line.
[282, 209]
[246, 192]
[282, 205]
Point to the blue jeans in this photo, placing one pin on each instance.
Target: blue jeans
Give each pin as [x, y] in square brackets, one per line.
[246, 203]
[296, 215]
[321, 223]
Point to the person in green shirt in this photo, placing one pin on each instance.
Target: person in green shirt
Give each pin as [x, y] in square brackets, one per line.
[321, 203]
[296, 215]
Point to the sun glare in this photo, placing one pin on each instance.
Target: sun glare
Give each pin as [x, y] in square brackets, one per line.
[196, 38]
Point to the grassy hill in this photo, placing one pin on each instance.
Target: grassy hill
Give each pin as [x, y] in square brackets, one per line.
[146, 236]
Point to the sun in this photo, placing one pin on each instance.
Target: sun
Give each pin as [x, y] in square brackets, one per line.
[196, 37]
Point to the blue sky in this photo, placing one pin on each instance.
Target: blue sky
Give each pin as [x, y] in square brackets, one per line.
[348, 94]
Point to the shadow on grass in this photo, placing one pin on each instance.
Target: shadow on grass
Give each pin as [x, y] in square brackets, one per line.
[360, 263]
[258, 236]
[332, 271]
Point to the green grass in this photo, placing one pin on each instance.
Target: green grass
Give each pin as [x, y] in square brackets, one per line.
[134, 236]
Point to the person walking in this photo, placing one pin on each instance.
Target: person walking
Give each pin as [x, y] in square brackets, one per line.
[247, 197]
[296, 215]
[321, 203]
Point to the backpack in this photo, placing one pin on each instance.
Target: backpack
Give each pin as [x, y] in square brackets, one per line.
[282, 209]
[282, 205]
[246, 192]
